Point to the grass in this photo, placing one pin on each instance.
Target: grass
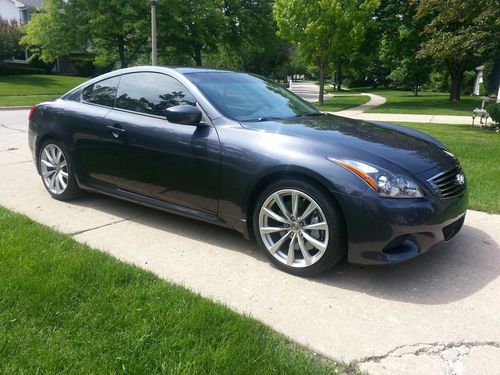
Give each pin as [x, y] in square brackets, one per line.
[478, 152]
[65, 308]
[340, 102]
[428, 103]
[24, 100]
[32, 88]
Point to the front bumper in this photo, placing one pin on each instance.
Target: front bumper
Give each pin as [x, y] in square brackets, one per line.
[383, 230]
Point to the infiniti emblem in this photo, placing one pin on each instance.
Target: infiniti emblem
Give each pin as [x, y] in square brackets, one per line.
[460, 178]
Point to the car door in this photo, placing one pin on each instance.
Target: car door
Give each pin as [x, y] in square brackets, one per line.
[96, 145]
[171, 162]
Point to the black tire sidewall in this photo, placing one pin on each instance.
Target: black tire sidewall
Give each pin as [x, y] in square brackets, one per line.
[72, 189]
[336, 249]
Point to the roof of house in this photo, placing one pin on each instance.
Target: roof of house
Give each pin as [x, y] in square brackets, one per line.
[30, 3]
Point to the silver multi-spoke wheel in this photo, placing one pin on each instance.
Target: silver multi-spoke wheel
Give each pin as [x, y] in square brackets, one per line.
[293, 228]
[54, 168]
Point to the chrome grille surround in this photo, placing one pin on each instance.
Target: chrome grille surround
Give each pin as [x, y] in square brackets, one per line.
[447, 184]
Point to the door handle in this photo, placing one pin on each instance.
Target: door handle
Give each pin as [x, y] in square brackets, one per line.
[116, 130]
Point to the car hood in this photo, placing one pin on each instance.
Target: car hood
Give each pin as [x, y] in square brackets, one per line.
[409, 149]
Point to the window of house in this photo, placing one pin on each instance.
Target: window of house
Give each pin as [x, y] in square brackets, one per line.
[151, 93]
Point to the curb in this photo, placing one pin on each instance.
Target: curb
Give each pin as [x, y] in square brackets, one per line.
[15, 108]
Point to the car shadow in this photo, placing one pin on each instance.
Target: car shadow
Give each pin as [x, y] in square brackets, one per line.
[449, 272]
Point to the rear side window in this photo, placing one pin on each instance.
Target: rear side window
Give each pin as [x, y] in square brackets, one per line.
[102, 93]
[73, 96]
[151, 93]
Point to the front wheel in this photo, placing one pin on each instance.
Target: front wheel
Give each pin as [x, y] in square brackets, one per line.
[56, 168]
[299, 227]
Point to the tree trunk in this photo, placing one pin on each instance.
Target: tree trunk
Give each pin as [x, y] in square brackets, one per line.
[415, 90]
[456, 70]
[322, 71]
[339, 78]
[197, 56]
[121, 53]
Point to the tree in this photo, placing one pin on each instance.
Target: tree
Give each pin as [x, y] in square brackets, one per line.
[190, 27]
[113, 29]
[324, 30]
[9, 38]
[249, 41]
[461, 33]
[400, 37]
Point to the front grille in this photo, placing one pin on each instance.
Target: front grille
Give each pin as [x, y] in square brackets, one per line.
[447, 183]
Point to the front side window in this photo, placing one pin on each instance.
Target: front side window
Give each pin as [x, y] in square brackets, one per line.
[151, 93]
[102, 93]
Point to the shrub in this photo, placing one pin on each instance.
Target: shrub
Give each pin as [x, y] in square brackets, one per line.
[494, 111]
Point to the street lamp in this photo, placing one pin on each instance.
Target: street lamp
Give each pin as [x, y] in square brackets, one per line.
[154, 52]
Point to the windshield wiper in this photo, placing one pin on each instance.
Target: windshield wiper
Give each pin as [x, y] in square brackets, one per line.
[311, 114]
[259, 119]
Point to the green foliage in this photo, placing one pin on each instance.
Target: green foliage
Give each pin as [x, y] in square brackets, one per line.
[250, 42]
[494, 112]
[400, 39]
[325, 30]
[116, 30]
[69, 309]
[192, 27]
[9, 38]
[491, 74]
[53, 32]
[461, 33]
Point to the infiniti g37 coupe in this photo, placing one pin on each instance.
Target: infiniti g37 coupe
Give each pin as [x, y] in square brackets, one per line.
[239, 151]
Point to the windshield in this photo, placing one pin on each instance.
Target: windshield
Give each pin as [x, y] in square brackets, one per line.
[244, 97]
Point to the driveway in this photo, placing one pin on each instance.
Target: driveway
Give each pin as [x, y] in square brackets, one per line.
[438, 314]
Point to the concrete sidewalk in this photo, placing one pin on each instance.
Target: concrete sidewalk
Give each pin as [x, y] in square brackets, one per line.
[398, 117]
[309, 91]
[437, 314]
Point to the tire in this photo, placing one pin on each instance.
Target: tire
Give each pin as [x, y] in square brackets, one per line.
[56, 169]
[318, 233]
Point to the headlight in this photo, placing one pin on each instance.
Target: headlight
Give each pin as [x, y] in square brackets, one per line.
[385, 183]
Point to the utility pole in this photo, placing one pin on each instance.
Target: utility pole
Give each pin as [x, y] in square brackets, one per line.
[154, 50]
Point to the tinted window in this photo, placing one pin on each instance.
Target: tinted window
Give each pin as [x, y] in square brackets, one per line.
[244, 97]
[103, 92]
[151, 93]
[74, 96]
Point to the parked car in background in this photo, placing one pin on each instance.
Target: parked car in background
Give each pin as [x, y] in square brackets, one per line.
[239, 151]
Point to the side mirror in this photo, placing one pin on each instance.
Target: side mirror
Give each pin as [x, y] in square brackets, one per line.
[183, 114]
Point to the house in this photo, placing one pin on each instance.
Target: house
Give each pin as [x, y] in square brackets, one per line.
[19, 11]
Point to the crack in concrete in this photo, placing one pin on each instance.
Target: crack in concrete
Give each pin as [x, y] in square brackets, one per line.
[450, 354]
[8, 127]
[102, 226]
[426, 348]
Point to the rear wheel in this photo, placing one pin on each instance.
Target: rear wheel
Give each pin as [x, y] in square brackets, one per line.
[299, 227]
[56, 170]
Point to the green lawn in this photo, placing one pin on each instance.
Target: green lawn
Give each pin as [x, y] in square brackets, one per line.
[479, 154]
[429, 103]
[338, 103]
[32, 88]
[65, 308]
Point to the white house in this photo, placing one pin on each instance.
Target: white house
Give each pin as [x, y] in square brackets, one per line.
[18, 10]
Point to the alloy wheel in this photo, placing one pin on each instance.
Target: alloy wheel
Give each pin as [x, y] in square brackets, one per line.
[54, 168]
[294, 228]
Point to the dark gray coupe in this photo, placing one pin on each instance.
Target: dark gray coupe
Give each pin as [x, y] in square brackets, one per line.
[239, 151]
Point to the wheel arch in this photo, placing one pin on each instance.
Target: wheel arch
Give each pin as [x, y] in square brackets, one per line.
[40, 141]
[281, 174]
